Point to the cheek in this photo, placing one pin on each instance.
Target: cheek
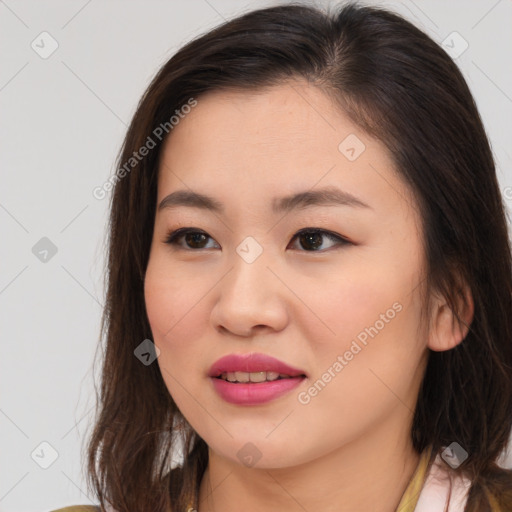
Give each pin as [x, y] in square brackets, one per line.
[368, 314]
[351, 302]
[167, 296]
[174, 311]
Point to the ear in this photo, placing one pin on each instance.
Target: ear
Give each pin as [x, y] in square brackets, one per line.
[446, 331]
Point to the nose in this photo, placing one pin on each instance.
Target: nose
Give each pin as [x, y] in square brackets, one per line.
[251, 299]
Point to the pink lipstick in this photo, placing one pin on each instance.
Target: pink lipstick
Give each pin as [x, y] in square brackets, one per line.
[251, 379]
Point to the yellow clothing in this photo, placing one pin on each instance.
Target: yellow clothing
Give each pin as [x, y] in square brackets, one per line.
[417, 487]
[412, 492]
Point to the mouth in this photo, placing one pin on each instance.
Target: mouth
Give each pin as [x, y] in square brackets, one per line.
[254, 377]
[253, 368]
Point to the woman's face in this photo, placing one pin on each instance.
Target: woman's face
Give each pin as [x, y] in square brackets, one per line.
[344, 313]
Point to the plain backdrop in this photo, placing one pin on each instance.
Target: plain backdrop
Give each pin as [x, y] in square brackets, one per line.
[63, 118]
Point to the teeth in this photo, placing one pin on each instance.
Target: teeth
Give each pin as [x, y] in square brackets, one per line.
[252, 377]
[240, 376]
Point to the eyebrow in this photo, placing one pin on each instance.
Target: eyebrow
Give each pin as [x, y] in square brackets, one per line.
[328, 196]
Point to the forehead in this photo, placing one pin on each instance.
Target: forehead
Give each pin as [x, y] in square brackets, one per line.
[284, 138]
[277, 118]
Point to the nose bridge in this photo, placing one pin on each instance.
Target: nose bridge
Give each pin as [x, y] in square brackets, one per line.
[249, 274]
[249, 294]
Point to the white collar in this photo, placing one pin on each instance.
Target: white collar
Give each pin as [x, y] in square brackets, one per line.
[436, 489]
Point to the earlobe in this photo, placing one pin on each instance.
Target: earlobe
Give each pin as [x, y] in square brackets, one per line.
[446, 331]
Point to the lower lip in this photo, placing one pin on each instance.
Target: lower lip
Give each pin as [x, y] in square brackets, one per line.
[254, 392]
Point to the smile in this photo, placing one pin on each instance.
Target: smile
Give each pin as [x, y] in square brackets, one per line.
[253, 376]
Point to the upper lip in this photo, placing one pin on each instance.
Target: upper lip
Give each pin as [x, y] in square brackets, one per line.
[252, 362]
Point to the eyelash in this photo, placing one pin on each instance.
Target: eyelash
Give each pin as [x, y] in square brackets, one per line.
[173, 237]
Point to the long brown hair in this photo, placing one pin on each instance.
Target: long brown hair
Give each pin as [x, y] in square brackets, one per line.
[400, 87]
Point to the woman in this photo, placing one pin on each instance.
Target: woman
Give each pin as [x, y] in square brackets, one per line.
[370, 373]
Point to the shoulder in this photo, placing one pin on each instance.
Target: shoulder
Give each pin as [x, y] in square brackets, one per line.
[78, 508]
[443, 486]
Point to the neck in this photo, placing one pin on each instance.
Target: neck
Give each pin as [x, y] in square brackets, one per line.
[375, 468]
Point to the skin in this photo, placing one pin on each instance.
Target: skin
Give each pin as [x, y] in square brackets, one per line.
[348, 448]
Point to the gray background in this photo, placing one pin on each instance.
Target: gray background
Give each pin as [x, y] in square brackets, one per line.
[63, 120]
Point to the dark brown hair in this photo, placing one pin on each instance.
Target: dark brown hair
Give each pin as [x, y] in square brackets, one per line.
[399, 86]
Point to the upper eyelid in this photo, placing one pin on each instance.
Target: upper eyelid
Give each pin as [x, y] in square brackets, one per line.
[185, 230]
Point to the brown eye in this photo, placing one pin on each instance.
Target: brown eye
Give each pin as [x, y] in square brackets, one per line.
[193, 239]
[311, 239]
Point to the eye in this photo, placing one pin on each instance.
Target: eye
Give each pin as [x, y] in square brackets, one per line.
[191, 236]
[312, 237]
[309, 237]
